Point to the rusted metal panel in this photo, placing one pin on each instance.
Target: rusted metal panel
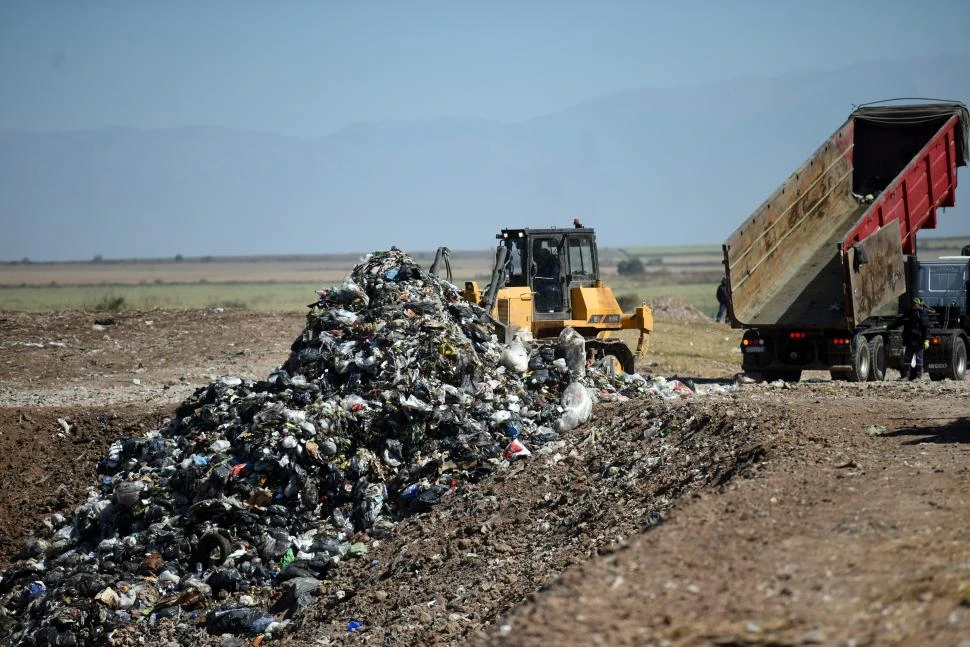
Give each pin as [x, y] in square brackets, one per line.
[775, 256]
[874, 272]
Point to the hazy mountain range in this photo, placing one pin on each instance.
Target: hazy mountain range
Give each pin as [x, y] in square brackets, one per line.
[645, 167]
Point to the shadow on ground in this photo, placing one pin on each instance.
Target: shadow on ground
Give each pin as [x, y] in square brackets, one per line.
[957, 430]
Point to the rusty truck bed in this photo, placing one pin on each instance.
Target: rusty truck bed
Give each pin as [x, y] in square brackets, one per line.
[825, 250]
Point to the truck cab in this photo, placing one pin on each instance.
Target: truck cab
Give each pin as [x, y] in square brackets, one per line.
[942, 285]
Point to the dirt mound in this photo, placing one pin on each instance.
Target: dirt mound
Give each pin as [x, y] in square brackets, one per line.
[47, 467]
[676, 310]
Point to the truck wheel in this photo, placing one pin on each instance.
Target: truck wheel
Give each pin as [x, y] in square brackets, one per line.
[958, 361]
[861, 360]
[877, 359]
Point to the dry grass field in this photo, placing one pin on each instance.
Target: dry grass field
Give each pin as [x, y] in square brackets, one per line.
[687, 273]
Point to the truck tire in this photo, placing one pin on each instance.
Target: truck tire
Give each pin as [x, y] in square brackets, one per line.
[958, 360]
[877, 359]
[957, 370]
[861, 360]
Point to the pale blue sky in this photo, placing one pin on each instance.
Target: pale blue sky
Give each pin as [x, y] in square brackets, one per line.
[131, 74]
[310, 68]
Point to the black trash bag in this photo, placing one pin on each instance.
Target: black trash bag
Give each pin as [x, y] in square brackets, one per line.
[246, 620]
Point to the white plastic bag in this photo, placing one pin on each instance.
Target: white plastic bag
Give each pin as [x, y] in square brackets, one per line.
[574, 348]
[578, 407]
[515, 356]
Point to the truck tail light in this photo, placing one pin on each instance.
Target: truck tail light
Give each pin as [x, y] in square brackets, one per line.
[797, 334]
[841, 341]
[934, 341]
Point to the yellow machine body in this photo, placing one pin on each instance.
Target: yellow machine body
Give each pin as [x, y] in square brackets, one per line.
[548, 279]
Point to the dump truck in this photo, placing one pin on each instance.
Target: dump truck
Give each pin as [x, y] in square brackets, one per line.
[818, 273]
[545, 280]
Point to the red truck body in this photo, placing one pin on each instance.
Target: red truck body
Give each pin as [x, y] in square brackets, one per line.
[928, 182]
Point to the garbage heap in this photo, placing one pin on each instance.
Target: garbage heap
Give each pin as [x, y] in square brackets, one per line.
[233, 512]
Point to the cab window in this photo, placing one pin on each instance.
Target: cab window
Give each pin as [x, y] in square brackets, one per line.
[581, 257]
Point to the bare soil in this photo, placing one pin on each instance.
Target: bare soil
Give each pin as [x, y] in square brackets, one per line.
[816, 513]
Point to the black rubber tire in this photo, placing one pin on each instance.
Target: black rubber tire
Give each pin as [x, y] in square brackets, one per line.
[861, 360]
[958, 360]
[615, 347]
[212, 549]
[877, 359]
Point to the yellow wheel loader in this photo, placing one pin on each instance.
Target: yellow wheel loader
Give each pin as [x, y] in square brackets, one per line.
[545, 280]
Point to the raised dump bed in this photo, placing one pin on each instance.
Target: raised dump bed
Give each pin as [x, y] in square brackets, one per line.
[827, 249]
[786, 263]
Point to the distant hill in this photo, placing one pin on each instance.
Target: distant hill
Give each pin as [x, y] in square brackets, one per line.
[667, 166]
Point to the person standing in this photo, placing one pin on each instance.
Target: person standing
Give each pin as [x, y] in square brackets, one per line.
[916, 326]
[722, 300]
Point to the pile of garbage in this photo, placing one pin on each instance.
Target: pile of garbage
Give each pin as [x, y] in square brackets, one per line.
[231, 514]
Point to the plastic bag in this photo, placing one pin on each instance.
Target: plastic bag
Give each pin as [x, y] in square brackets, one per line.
[574, 348]
[515, 356]
[578, 407]
[515, 449]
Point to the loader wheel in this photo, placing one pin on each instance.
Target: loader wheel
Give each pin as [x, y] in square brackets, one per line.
[877, 359]
[861, 360]
[615, 348]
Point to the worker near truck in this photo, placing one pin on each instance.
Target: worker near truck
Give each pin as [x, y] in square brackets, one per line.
[916, 325]
[722, 300]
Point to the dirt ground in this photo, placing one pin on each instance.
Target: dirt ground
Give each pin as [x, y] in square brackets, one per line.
[816, 513]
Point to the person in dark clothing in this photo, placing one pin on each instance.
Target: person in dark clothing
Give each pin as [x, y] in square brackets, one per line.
[916, 326]
[546, 280]
[722, 300]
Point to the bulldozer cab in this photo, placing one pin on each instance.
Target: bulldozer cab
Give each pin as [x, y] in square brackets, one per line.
[550, 262]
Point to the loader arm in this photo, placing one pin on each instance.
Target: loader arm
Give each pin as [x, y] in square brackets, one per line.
[640, 319]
